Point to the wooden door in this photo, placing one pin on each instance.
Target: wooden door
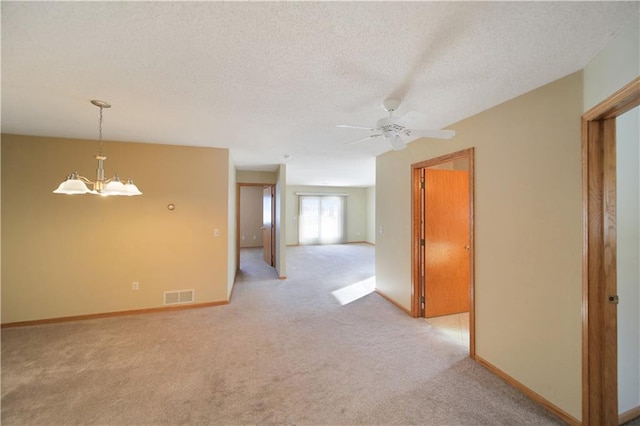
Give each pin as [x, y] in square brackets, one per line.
[267, 224]
[446, 218]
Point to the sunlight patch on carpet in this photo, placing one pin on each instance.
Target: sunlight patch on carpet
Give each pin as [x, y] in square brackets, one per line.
[348, 294]
[454, 328]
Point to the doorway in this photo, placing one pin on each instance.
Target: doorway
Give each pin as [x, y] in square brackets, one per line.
[268, 222]
[442, 240]
[256, 221]
[600, 251]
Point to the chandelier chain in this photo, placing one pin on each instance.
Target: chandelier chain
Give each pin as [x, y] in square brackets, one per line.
[100, 132]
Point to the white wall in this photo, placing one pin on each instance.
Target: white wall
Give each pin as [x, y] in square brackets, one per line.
[0, 218]
[356, 208]
[616, 65]
[628, 259]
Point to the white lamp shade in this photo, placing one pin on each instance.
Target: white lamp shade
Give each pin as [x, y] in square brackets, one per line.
[115, 187]
[131, 188]
[71, 187]
[76, 184]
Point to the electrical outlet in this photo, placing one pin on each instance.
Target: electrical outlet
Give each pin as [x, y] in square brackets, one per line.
[135, 285]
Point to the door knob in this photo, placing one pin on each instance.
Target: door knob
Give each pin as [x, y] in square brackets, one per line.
[466, 247]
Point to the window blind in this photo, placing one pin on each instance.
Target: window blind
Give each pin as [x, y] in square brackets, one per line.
[322, 219]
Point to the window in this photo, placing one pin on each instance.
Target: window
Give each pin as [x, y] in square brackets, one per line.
[322, 219]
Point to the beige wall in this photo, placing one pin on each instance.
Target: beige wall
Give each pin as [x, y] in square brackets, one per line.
[528, 218]
[251, 216]
[73, 255]
[245, 176]
[356, 207]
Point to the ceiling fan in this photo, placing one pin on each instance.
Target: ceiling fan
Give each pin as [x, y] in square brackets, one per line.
[395, 130]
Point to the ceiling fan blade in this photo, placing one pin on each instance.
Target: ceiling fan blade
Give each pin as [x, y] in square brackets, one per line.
[347, 126]
[412, 119]
[397, 143]
[427, 133]
[364, 139]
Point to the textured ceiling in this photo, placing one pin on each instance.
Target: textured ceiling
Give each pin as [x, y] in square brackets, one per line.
[269, 79]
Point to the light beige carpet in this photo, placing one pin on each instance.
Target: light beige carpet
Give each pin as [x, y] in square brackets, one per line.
[283, 352]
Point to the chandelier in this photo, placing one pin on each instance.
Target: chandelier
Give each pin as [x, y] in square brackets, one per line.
[76, 184]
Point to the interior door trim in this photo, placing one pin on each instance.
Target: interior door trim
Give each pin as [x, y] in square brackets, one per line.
[238, 207]
[416, 233]
[599, 340]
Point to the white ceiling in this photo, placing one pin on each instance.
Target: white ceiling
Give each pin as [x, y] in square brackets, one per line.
[268, 79]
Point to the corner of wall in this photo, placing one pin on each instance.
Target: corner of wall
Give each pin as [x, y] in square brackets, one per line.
[281, 220]
[232, 229]
[371, 215]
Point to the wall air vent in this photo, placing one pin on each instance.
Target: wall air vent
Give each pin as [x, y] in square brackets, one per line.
[178, 297]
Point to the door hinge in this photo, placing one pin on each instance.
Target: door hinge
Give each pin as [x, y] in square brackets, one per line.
[614, 299]
[422, 241]
[421, 184]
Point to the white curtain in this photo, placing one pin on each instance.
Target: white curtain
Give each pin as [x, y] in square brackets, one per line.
[322, 219]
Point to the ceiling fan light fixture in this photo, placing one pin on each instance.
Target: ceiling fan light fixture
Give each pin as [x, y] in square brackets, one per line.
[391, 104]
[397, 144]
[393, 128]
[390, 134]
